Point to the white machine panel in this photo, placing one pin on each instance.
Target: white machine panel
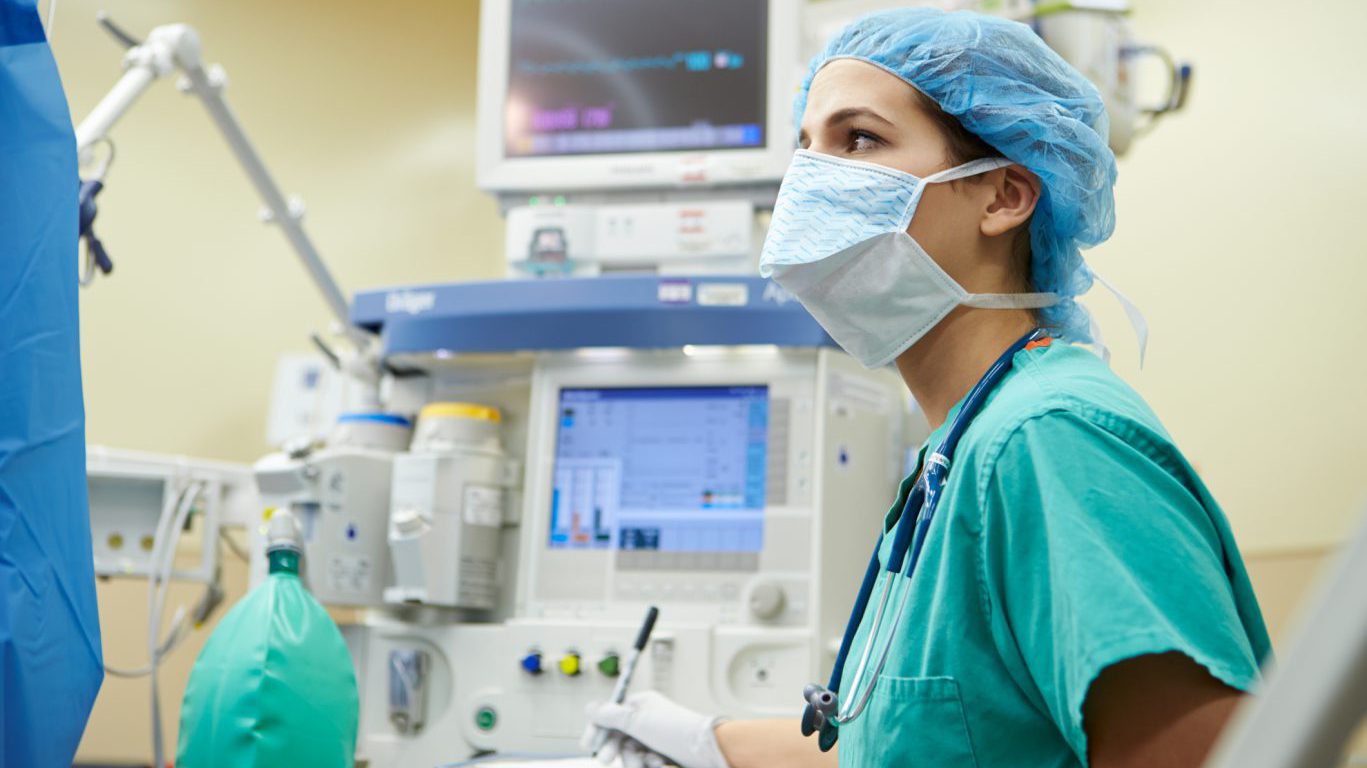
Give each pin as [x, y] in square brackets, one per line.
[480, 698]
[129, 491]
[671, 238]
[341, 499]
[710, 558]
[445, 517]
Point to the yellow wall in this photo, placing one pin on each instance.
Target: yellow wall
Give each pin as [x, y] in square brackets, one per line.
[363, 109]
[1237, 234]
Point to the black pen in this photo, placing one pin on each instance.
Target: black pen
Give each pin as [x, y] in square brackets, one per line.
[619, 694]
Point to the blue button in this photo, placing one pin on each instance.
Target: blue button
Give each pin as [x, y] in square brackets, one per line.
[531, 664]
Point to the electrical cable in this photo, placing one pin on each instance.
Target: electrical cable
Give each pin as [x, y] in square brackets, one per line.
[185, 621]
[163, 561]
[168, 511]
[180, 629]
[237, 549]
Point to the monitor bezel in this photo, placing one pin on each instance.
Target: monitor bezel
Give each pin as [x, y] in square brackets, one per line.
[496, 172]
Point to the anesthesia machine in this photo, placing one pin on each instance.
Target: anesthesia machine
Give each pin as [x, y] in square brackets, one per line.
[677, 453]
[629, 419]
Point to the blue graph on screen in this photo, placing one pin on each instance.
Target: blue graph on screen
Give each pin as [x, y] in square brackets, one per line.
[691, 61]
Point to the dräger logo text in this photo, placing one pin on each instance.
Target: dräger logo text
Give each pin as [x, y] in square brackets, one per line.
[409, 302]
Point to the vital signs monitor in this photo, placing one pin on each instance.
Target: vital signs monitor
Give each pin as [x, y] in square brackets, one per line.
[647, 79]
[612, 94]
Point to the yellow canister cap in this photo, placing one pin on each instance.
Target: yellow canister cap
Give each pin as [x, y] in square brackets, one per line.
[460, 411]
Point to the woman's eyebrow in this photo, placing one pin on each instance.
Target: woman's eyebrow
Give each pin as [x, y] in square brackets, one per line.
[849, 113]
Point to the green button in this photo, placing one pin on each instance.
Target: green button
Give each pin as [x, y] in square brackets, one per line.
[486, 718]
[611, 665]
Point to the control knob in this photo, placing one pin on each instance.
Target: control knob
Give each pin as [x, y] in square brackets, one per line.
[766, 601]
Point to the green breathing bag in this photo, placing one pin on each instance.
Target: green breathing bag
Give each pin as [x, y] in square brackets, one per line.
[274, 685]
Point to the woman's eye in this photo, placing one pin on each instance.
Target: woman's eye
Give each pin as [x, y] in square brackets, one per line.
[863, 141]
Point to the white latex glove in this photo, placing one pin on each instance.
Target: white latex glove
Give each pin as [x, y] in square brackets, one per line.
[649, 731]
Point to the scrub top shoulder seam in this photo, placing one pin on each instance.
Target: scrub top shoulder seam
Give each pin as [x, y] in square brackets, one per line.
[1053, 401]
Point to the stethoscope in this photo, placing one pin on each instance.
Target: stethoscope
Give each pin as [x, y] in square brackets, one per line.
[825, 708]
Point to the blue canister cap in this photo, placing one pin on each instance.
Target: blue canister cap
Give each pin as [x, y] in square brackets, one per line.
[376, 417]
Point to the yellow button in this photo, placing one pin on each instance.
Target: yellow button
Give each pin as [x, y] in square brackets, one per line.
[569, 664]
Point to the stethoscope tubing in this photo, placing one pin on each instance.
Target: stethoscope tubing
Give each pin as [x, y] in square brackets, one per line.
[842, 717]
[925, 498]
[866, 692]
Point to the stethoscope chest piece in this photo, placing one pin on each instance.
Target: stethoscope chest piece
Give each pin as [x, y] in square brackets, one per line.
[819, 715]
[827, 738]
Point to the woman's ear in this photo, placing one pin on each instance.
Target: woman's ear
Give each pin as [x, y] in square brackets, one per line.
[1016, 192]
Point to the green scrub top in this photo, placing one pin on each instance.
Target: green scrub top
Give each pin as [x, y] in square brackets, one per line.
[1072, 535]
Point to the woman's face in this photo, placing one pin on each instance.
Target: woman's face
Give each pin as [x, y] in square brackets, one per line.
[860, 112]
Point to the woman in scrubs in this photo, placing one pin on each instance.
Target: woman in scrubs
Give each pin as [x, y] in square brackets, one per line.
[1079, 598]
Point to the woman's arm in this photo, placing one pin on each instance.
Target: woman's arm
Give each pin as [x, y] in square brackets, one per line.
[764, 743]
[1157, 711]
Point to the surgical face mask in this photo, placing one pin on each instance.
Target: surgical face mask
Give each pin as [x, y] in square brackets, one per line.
[838, 242]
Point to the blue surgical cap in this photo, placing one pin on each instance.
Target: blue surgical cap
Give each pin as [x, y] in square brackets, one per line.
[1002, 83]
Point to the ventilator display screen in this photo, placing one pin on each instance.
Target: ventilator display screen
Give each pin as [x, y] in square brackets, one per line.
[623, 76]
[672, 469]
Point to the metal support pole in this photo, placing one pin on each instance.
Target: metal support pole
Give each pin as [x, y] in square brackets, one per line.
[176, 46]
